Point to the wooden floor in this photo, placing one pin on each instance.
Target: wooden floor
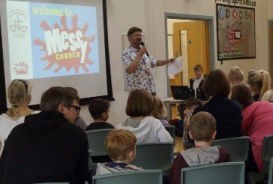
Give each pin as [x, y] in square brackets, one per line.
[178, 147]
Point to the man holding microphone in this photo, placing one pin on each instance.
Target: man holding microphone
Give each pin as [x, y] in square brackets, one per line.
[138, 63]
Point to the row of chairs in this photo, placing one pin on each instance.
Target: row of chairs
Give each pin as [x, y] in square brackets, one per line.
[145, 156]
[224, 173]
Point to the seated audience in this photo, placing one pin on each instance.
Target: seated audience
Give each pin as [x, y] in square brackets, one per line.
[99, 110]
[196, 84]
[202, 131]
[228, 113]
[47, 147]
[235, 76]
[121, 146]
[268, 96]
[257, 123]
[19, 96]
[159, 111]
[146, 128]
[259, 82]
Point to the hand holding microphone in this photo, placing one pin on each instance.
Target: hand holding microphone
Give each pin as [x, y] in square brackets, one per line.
[142, 45]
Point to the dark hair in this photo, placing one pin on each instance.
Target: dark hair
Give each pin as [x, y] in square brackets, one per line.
[139, 103]
[242, 94]
[216, 84]
[198, 67]
[54, 96]
[202, 126]
[187, 104]
[97, 107]
[133, 30]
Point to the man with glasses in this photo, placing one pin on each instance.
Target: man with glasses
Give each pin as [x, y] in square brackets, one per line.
[47, 147]
[138, 63]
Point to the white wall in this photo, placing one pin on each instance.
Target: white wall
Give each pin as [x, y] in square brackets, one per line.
[150, 16]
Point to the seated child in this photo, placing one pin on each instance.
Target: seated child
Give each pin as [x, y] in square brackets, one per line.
[99, 110]
[202, 130]
[159, 111]
[121, 146]
[186, 114]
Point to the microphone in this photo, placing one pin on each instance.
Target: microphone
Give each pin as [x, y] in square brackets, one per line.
[143, 44]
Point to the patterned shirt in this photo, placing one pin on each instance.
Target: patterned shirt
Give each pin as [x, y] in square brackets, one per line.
[142, 78]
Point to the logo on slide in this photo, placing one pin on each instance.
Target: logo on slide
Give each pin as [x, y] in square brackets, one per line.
[18, 24]
[21, 68]
[66, 47]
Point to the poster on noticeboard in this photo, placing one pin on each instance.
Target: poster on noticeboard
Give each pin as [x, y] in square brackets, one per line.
[235, 32]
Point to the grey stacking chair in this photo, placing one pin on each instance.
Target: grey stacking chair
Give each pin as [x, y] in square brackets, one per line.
[237, 147]
[154, 155]
[132, 177]
[267, 154]
[171, 130]
[224, 173]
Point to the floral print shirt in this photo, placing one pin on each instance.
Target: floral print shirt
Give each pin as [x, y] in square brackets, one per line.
[142, 78]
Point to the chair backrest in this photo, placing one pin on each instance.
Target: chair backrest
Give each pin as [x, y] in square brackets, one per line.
[171, 130]
[270, 172]
[154, 155]
[132, 177]
[267, 152]
[96, 141]
[237, 147]
[224, 173]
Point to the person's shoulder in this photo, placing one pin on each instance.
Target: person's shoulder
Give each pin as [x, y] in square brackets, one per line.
[224, 155]
[99, 125]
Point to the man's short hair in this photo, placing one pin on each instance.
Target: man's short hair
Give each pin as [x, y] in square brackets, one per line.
[216, 84]
[139, 103]
[202, 126]
[133, 30]
[54, 96]
[198, 67]
[119, 143]
[97, 107]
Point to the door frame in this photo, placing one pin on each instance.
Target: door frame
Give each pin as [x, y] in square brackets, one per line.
[270, 46]
[210, 21]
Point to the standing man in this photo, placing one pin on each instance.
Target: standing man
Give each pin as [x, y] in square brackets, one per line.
[138, 63]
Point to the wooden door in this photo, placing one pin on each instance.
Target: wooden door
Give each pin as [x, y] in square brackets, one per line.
[195, 37]
[197, 47]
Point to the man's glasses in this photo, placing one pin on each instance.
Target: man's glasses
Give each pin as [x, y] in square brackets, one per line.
[77, 108]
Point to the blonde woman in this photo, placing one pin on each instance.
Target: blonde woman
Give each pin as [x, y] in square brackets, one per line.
[268, 96]
[19, 96]
[259, 82]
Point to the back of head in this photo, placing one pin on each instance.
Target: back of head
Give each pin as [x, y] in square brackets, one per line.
[97, 107]
[19, 94]
[119, 143]
[202, 126]
[242, 94]
[139, 103]
[159, 109]
[259, 80]
[236, 75]
[216, 84]
[192, 101]
[268, 96]
[132, 30]
[54, 96]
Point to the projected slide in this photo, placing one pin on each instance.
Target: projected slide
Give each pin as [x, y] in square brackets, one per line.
[51, 40]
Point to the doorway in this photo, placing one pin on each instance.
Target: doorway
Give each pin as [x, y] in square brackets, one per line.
[192, 38]
[271, 49]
